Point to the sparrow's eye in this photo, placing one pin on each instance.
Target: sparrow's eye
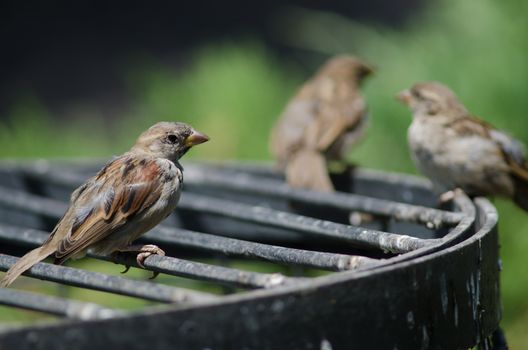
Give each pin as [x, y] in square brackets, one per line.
[172, 138]
[417, 95]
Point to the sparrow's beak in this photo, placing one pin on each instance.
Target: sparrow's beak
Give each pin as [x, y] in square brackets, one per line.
[405, 97]
[195, 139]
[368, 70]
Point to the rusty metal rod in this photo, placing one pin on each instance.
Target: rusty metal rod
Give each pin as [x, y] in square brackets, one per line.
[335, 262]
[164, 264]
[230, 246]
[358, 236]
[55, 306]
[242, 181]
[391, 242]
[201, 176]
[106, 283]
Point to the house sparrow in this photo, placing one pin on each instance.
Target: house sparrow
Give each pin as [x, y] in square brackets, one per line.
[128, 197]
[457, 150]
[320, 123]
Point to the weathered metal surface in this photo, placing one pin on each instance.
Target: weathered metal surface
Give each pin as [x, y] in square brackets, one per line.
[362, 237]
[54, 305]
[169, 237]
[107, 283]
[446, 300]
[163, 264]
[244, 182]
[441, 291]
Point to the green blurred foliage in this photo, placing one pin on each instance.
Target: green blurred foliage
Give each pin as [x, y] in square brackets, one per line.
[29, 131]
[234, 92]
[231, 92]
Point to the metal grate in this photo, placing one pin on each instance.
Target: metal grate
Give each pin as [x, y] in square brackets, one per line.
[236, 212]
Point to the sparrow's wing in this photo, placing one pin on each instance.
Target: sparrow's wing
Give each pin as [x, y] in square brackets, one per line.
[512, 149]
[124, 188]
[343, 113]
[289, 132]
[470, 126]
[514, 154]
[510, 146]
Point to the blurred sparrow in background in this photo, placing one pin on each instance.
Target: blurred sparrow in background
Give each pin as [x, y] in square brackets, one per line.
[320, 123]
[128, 197]
[456, 150]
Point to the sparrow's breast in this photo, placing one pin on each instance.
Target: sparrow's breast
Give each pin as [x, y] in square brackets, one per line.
[427, 143]
[172, 178]
[450, 160]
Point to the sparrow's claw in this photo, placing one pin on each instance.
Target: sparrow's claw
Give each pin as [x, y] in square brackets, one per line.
[114, 257]
[449, 196]
[357, 218]
[144, 251]
[147, 250]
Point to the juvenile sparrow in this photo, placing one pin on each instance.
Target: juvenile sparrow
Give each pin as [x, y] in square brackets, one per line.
[457, 150]
[320, 123]
[128, 197]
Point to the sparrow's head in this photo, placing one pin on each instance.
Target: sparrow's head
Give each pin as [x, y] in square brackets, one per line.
[169, 140]
[431, 98]
[345, 67]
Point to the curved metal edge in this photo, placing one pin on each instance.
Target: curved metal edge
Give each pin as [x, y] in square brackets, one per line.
[392, 307]
[457, 234]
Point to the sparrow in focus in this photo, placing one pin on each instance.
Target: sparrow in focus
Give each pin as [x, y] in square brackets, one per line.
[320, 123]
[456, 150]
[128, 197]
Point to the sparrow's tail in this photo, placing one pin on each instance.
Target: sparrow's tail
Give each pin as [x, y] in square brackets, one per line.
[308, 169]
[25, 262]
[520, 177]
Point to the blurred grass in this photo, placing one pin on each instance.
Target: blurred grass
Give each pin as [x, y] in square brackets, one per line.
[233, 92]
[230, 92]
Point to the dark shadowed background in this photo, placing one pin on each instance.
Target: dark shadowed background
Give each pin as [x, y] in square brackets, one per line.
[82, 79]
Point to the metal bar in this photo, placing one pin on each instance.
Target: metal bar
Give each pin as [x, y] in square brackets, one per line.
[48, 173]
[390, 242]
[55, 209]
[201, 175]
[445, 300]
[164, 264]
[106, 283]
[212, 273]
[243, 182]
[19, 200]
[358, 236]
[231, 246]
[55, 306]
[337, 262]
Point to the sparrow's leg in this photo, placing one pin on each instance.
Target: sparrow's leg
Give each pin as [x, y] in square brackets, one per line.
[357, 218]
[449, 195]
[144, 252]
[116, 261]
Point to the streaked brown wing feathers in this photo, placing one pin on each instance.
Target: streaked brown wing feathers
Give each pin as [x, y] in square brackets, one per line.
[469, 125]
[123, 189]
[510, 148]
[338, 117]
